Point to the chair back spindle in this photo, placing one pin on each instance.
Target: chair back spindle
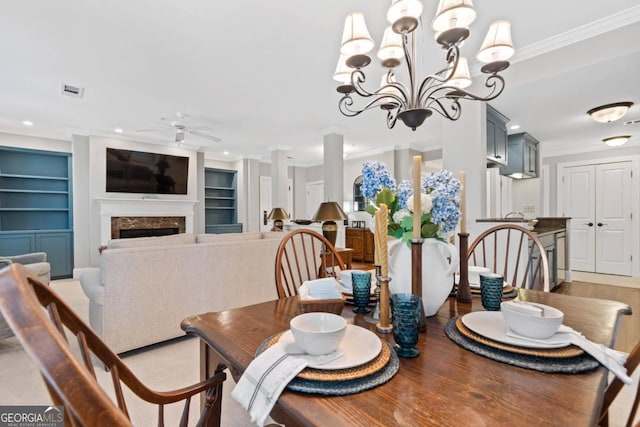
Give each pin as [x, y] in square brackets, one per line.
[304, 255]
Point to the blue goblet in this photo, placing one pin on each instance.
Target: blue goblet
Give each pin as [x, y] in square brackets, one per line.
[405, 312]
[361, 283]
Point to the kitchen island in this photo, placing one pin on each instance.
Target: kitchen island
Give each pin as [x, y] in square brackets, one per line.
[553, 233]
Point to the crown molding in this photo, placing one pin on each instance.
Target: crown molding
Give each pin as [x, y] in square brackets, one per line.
[578, 34]
[575, 35]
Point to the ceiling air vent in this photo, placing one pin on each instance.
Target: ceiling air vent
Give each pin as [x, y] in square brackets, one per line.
[632, 122]
[74, 91]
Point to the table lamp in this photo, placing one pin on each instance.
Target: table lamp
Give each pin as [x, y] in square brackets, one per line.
[329, 212]
[277, 215]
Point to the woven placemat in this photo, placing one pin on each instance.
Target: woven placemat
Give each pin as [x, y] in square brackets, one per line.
[566, 365]
[568, 351]
[371, 367]
[341, 387]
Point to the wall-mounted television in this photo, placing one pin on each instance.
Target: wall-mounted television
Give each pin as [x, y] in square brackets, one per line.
[140, 172]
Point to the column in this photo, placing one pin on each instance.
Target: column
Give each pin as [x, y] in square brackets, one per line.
[333, 168]
[464, 148]
[279, 182]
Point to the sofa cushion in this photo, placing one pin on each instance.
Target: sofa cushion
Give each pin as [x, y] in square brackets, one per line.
[173, 239]
[91, 282]
[228, 237]
[273, 235]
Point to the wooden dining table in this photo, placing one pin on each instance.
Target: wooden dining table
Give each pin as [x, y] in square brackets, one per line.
[446, 385]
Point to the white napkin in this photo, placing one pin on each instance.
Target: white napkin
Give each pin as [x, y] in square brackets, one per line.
[268, 374]
[327, 288]
[611, 359]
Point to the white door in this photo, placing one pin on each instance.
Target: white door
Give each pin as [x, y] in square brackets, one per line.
[598, 200]
[315, 196]
[265, 202]
[613, 218]
[579, 205]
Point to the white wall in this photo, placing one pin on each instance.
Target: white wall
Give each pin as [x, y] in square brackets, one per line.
[97, 189]
[35, 143]
[525, 193]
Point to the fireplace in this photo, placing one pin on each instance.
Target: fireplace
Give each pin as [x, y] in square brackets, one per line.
[146, 213]
[123, 227]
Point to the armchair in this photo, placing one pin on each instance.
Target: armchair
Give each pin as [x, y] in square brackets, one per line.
[36, 263]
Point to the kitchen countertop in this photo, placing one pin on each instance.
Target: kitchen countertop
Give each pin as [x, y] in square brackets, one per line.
[546, 225]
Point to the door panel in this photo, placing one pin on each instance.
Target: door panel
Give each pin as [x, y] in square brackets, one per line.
[613, 218]
[579, 205]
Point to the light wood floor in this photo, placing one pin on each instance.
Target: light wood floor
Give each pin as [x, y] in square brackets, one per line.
[629, 333]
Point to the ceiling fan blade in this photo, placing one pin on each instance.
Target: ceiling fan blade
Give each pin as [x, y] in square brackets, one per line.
[204, 135]
[179, 136]
[147, 130]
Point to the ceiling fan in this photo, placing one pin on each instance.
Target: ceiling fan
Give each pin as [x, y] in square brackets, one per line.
[180, 128]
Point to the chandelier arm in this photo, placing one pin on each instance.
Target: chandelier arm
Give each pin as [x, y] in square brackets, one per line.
[358, 77]
[346, 103]
[441, 77]
[392, 117]
[411, 66]
[495, 82]
[455, 107]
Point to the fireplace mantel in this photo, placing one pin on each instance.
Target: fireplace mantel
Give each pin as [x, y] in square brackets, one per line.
[110, 207]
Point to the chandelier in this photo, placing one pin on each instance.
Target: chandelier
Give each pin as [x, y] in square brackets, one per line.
[440, 92]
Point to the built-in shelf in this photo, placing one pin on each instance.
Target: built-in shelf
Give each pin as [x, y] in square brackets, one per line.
[35, 206]
[220, 203]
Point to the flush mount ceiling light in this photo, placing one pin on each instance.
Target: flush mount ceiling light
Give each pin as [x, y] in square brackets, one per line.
[440, 92]
[616, 141]
[610, 112]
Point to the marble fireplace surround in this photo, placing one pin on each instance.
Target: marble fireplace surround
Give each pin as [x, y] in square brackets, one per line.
[118, 223]
[144, 213]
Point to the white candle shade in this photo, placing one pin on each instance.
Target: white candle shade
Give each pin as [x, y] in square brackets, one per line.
[391, 51]
[497, 45]
[355, 37]
[404, 9]
[461, 78]
[453, 14]
[343, 72]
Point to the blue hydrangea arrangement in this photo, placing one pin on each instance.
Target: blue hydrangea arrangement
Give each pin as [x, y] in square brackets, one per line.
[440, 201]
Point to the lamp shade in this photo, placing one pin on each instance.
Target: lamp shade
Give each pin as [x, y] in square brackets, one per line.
[355, 37]
[329, 211]
[497, 45]
[277, 213]
[404, 9]
[391, 51]
[609, 112]
[343, 72]
[453, 14]
[616, 141]
[461, 77]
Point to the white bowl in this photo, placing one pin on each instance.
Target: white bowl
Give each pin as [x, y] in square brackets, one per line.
[474, 274]
[530, 322]
[318, 333]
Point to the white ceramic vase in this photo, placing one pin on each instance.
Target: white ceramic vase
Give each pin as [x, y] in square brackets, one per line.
[439, 262]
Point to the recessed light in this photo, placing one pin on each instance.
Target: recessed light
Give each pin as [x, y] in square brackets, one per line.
[27, 123]
[226, 153]
[514, 127]
[117, 130]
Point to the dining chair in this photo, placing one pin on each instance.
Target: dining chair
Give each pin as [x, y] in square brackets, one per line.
[304, 254]
[43, 324]
[614, 387]
[515, 252]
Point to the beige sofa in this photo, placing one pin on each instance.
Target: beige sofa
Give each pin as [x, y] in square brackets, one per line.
[146, 286]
